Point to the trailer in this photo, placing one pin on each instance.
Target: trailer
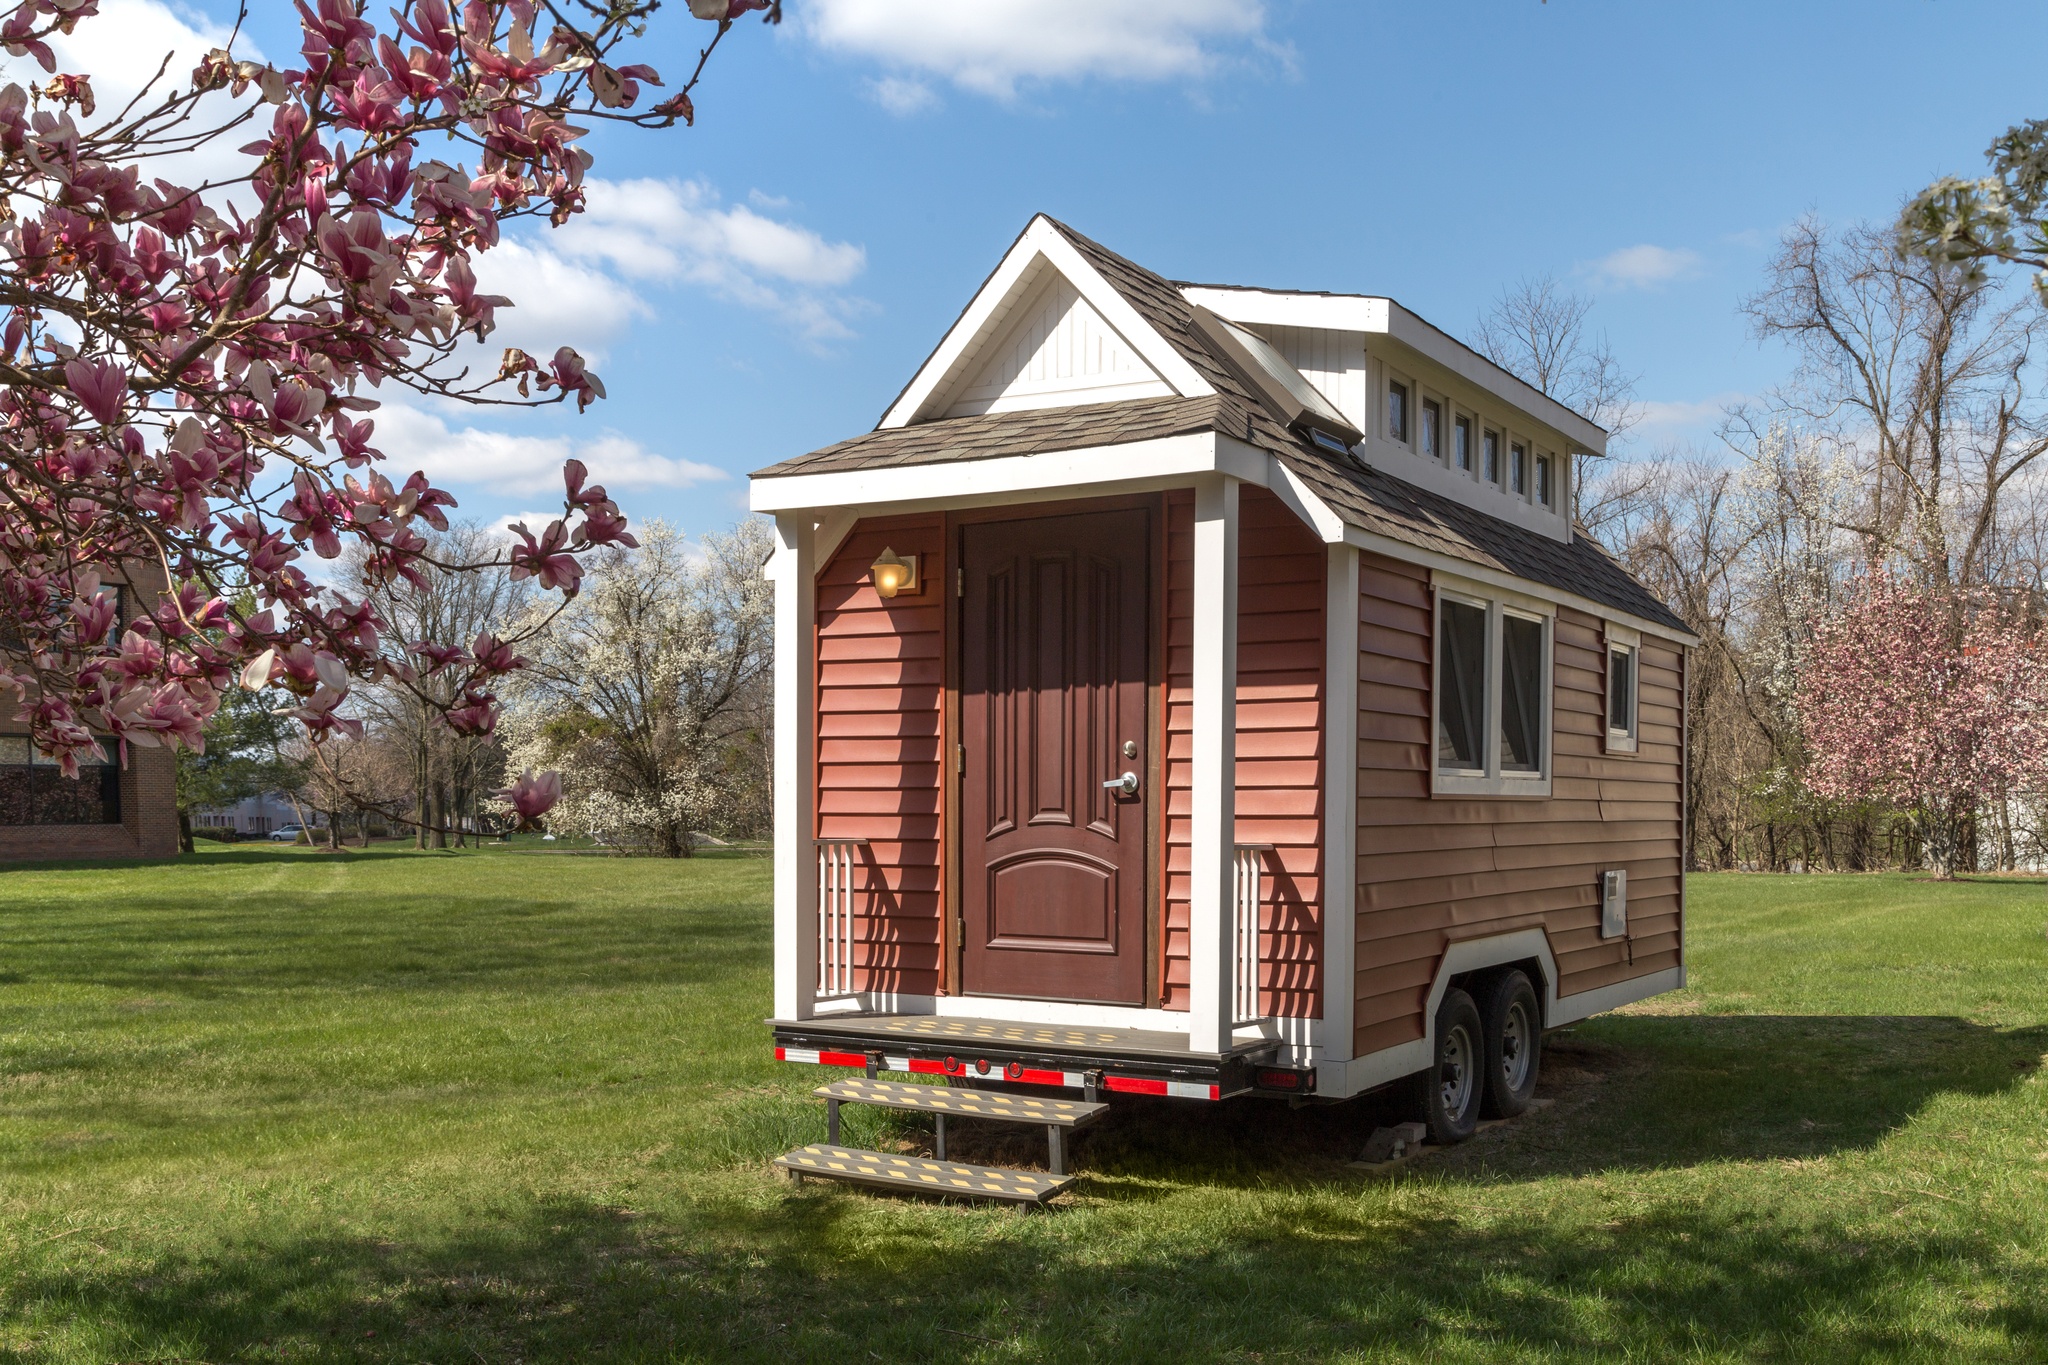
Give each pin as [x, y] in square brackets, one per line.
[1202, 691]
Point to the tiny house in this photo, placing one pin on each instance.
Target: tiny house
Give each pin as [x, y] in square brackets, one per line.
[1202, 691]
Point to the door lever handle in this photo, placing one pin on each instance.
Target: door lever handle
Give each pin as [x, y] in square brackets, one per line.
[1127, 785]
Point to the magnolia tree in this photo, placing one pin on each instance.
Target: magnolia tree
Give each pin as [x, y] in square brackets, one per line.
[1932, 701]
[190, 364]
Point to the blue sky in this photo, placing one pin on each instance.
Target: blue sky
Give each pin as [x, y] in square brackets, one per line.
[764, 283]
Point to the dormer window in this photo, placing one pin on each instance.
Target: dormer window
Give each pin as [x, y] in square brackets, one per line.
[1545, 490]
[1397, 413]
[1461, 442]
[1490, 449]
[1432, 420]
[1518, 469]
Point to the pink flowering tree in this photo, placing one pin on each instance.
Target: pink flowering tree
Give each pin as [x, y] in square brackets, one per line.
[1934, 701]
[189, 368]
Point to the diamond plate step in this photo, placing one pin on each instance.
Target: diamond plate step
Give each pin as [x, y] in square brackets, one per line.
[888, 1171]
[962, 1103]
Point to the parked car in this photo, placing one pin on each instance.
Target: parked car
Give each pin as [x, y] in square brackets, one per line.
[288, 834]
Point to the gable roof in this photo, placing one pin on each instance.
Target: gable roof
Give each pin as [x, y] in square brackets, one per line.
[1369, 499]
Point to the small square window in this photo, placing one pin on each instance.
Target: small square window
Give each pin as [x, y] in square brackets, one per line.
[1544, 490]
[1397, 413]
[1461, 442]
[1518, 468]
[1621, 697]
[1490, 447]
[1432, 419]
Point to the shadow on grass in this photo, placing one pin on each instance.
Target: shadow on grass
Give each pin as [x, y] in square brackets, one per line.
[1204, 1231]
[818, 1274]
[1641, 1093]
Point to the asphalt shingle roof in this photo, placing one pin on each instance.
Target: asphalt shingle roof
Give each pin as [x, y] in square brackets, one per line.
[1370, 499]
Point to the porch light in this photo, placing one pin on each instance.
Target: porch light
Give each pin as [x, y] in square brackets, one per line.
[894, 573]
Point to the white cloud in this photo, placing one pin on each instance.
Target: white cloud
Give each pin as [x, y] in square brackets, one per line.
[1681, 415]
[681, 232]
[1643, 267]
[902, 95]
[988, 46]
[556, 301]
[515, 465]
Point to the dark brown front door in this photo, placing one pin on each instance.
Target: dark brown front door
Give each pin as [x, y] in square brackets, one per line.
[1054, 628]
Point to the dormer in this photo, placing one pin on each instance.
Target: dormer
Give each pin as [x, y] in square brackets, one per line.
[1435, 413]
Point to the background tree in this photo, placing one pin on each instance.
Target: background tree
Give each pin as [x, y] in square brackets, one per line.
[1538, 332]
[244, 756]
[646, 693]
[189, 365]
[1931, 699]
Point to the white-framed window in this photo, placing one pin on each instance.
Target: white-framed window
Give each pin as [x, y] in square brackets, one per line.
[1624, 689]
[1397, 412]
[1489, 445]
[1546, 487]
[1461, 443]
[1429, 444]
[1490, 707]
[1518, 469]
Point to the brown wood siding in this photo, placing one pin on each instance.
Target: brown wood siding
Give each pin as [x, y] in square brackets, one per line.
[880, 760]
[1280, 741]
[1434, 870]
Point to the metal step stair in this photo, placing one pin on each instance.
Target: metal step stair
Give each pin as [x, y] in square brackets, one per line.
[940, 1176]
[922, 1174]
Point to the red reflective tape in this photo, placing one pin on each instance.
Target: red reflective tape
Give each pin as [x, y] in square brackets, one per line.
[778, 1054]
[928, 1068]
[1133, 1085]
[842, 1059]
[1031, 1077]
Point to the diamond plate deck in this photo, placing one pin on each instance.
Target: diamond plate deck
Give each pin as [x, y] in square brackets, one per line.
[980, 1104]
[940, 1029]
[957, 1179]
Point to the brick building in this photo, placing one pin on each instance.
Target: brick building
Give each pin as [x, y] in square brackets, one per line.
[108, 811]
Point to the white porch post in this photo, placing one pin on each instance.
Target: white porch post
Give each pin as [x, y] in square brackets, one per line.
[1210, 951]
[1340, 809]
[794, 569]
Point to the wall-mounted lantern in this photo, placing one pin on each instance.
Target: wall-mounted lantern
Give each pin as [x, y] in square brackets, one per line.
[893, 573]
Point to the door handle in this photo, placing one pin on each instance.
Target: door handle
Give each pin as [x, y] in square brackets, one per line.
[1127, 785]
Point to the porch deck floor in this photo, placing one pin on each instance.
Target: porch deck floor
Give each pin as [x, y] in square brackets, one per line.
[940, 1028]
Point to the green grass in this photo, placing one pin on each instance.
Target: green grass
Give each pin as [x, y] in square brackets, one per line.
[274, 1104]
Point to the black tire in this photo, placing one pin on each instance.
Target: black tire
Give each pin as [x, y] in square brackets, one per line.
[1454, 1087]
[1514, 1044]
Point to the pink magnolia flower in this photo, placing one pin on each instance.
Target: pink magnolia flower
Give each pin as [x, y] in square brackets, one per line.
[532, 797]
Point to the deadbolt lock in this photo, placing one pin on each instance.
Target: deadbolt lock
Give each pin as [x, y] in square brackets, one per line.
[1130, 748]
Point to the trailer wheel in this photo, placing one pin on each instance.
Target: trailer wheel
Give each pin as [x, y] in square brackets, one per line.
[1453, 1089]
[1514, 1044]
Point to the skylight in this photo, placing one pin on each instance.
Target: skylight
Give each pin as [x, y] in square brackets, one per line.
[1287, 377]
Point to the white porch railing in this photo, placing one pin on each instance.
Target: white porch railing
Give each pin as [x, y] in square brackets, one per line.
[1244, 994]
[835, 915]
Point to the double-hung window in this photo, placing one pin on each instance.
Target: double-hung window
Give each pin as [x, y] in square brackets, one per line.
[1624, 688]
[1491, 698]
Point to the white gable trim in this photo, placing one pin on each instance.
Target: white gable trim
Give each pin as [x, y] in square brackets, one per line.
[1041, 246]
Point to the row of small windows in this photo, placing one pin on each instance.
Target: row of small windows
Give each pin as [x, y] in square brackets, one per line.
[1517, 473]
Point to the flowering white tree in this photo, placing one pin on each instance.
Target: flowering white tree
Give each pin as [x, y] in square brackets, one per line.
[641, 691]
[1932, 700]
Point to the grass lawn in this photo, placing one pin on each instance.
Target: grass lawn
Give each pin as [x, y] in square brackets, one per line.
[276, 1104]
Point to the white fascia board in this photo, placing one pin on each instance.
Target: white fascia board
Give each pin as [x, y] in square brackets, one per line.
[1088, 471]
[1041, 241]
[1507, 582]
[1367, 313]
[1305, 503]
